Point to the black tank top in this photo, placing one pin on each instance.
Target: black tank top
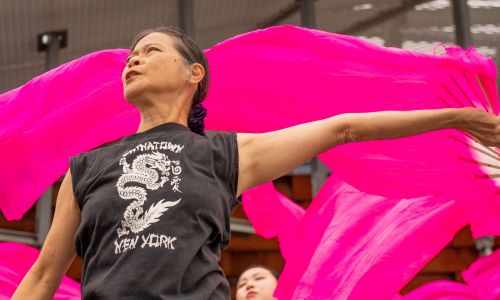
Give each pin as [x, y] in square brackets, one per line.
[155, 214]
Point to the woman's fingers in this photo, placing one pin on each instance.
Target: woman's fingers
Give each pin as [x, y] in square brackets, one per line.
[482, 126]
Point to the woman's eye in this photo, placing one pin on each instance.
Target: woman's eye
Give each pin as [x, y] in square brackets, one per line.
[128, 59]
[152, 49]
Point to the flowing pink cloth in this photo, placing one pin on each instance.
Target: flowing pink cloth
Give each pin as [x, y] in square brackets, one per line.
[482, 282]
[293, 76]
[15, 261]
[70, 109]
[279, 77]
[349, 244]
[274, 215]
[267, 80]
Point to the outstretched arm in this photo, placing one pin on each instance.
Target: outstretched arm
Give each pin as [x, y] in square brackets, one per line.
[58, 251]
[267, 156]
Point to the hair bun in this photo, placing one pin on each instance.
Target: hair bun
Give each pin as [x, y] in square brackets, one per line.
[196, 121]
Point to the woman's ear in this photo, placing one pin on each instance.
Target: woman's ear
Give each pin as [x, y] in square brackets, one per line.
[197, 73]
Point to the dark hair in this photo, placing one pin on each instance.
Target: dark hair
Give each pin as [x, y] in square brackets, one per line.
[191, 53]
[275, 273]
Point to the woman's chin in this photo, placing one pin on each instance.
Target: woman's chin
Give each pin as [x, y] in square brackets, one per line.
[132, 94]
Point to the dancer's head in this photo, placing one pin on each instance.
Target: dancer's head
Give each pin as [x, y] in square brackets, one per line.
[166, 65]
[257, 282]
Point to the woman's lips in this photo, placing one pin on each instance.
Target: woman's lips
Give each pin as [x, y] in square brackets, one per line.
[131, 74]
[251, 294]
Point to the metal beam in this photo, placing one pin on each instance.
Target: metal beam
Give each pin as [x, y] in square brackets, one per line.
[307, 14]
[186, 17]
[50, 42]
[462, 23]
[241, 226]
[43, 215]
[8, 235]
[52, 53]
[319, 173]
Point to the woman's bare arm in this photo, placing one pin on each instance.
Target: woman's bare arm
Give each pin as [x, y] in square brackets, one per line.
[58, 251]
[267, 156]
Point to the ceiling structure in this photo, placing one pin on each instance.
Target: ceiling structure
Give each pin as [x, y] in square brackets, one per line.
[93, 25]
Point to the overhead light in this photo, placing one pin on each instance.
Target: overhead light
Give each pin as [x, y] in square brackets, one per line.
[362, 6]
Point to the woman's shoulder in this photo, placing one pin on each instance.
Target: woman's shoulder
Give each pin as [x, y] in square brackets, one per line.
[90, 157]
[219, 134]
[108, 146]
[217, 137]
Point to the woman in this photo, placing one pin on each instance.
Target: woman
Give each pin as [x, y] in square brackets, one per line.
[150, 212]
[257, 282]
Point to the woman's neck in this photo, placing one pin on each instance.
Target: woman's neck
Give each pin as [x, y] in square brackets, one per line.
[156, 118]
[157, 113]
[165, 106]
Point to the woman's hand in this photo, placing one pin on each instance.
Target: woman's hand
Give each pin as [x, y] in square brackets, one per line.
[482, 126]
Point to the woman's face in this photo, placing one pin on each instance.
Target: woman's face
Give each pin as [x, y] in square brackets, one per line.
[154, 67]
[257, 284]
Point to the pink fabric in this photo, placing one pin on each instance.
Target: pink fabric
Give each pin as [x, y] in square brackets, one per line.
[482, 282]
[352, 245]
[441, 290]
[262, 81]
[274, 215]
[279, 77]
[483, 277]
[294, 75]
[61, 113]
[15, 261]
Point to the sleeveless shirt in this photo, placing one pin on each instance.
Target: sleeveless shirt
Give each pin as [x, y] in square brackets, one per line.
[155, 214]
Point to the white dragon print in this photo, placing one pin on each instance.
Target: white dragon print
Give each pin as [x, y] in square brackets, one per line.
[144, 170]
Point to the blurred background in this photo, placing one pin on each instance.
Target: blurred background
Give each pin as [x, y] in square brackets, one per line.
[39, 35]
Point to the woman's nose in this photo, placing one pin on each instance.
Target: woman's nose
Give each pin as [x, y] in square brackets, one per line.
[133, 61]
[250, 285]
